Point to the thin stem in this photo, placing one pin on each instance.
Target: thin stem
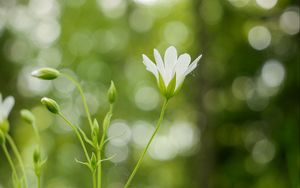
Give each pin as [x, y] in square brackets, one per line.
[19, 158]
[36, 132]
[100, 149]
[94, 180]
[38, 138]
[78, 86]
[10, 161]
[99, 168]
[77, 134]
[38, 181]
[148, 144]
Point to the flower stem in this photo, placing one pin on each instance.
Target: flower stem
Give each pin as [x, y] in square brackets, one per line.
[77, 134]
[38, 181]
[94, 180]
[19, 158]
[148, 144]
[10, 161]
[100, 149]
[82, 97]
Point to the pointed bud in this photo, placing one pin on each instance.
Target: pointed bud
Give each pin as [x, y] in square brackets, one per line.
[94, 161]
[46, 73]
[4, 126]
[36, 156]
[27, 116]
[112, 93]
[50, 104]
[96, 126]
[95, 131]
[2, 138]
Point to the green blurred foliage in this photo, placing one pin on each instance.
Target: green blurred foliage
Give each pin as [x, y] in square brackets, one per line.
[234, 124]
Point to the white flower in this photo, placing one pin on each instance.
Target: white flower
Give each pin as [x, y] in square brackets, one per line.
[170, 72]
[5, 107]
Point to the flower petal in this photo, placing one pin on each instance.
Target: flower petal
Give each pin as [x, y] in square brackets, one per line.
[150, 66]
[181, 67]
[7, 105]
[170, 61]
[193, 65]
[159, 62]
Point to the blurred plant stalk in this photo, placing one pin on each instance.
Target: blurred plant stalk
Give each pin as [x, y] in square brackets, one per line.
[94, 158]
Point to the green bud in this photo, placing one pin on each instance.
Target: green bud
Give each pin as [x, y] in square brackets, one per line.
[2, 138]
[95, 131]
[46, 73]
[112, 92]
[4, 126]
[36, 156]
[51, 105]
[94, 161]
[27, 116]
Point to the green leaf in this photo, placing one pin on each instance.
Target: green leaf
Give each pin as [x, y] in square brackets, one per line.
[171, 88]
[85, 137]
[161, 85]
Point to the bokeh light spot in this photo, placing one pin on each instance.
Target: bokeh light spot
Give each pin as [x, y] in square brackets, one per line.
[176, 32]
[243, 87]
[266, 4]
[290, 21]
[273, 73]
[119, 133]
[263, 151]
[239, 3]
[259, 37]
[146, 98]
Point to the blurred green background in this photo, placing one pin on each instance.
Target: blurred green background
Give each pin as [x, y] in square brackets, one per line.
[235, 124]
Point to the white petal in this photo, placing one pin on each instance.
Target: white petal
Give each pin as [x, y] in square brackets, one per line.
[193, 65]
[181, 67]
[7, 105]
[159, 62]
[150, 66]
[170, 61]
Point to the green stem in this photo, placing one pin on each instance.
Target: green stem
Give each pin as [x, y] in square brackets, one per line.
[19, 158]
[100, 149]
[77, 134]
[38, 138]
[38, 181]
[82, 97]
[94, 180]
[148, 144]
[36, 132]
[99, 168]
[10, 161]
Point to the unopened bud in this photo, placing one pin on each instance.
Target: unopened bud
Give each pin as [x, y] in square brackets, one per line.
[27, 116]
[95, 131]
[46, 73]
[36, 156]
[93, 161]
[51, 105]
[112, 93]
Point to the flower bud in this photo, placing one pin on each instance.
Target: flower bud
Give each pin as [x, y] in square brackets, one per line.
[51, 105]
[112, 93]
[36, 156]
[46, 73]
[27, 116]
[95, 131]
[93, 161]
[4, 126]
[2, 138]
